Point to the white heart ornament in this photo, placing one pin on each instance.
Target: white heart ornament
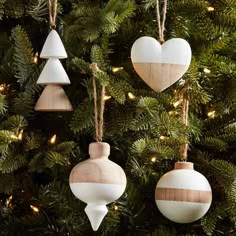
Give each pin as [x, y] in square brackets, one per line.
[158, 65]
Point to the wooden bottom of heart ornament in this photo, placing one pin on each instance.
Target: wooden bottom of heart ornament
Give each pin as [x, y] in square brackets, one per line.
[159, 76]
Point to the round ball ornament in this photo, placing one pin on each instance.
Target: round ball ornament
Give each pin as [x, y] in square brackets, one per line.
[183, 195]
[158, 65]
[97, 182]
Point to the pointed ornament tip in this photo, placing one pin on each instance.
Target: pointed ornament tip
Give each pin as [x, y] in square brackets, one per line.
[96, 213]
[53, 47]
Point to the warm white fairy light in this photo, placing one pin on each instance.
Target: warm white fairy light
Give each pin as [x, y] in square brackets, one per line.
[107, 97]
[173, 113]
[211, 114]
[162, 137]
[207, 71]
[8, 201]
[35, 58]
[53, 139]
[116, 69]
[2, 87]
[116, 208]
[20, 136]
[34, 208]
[175, 104]
[131, 96]
[13, 136]
[210, 8]
[153, 159]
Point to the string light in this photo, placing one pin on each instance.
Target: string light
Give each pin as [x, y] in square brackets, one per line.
[173, 113]
[106, 97]
[175, 104]
[53, 139]
[207, 71]
[210, 8]
[131, 96]
[116, 69]
[116, 208]
[20, 136]
[163, 137]
[2, 87]
[153, 159]
[8, 201]
[34, 208]
[211, 114]
[13, 136]
[35, 58]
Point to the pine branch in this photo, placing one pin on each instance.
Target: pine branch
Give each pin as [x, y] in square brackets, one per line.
[23, 55]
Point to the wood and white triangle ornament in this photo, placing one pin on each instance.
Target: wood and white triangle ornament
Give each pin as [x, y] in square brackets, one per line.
[158, 65]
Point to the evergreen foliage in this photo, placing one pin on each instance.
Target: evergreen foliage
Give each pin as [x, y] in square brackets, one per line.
[145, 130]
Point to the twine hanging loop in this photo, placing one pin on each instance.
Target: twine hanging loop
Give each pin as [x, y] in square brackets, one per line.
[98, 119]
[161, 24]
[52, 7]
[185, 109]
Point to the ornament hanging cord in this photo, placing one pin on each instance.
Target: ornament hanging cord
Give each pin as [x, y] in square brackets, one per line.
[161, 25]
[98, 122]
[52, 7]
[185, 108]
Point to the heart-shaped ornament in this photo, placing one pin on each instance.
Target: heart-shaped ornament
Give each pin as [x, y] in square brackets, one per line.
[158, 65]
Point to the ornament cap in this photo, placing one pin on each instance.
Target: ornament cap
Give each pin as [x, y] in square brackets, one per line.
[183, 165]
[99, 150]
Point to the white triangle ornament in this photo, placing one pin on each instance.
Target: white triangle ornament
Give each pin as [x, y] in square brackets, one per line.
[53, 47]
[158, 65]
[53, 73]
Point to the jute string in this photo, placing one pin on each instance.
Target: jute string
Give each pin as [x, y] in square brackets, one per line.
[52, 7]
[98, 121]
[161, 24]
[185, 109]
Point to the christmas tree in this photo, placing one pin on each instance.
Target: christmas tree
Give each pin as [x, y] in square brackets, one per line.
[144, 128]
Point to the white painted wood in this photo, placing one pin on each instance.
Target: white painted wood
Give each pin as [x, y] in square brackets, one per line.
[183, 195]
[53, 73]
[182, 212]
[97, 196]
[53, 47]
[158, 65]
[97, 182]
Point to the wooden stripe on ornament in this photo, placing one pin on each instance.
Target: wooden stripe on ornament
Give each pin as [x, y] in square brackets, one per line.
[159, 76]
[183, 195]
[98, 168]
[98, 171]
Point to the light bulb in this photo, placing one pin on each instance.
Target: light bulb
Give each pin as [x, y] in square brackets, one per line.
[34, 208]
[116, 69]
[211, 114]
[53, 139]
[175, 104]
[210, 8]
[35, 58]
[8, 201]
[20, 136]
[131, 96]
[2, 87]
[153, 159]
[106, 97]
[207, 71]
